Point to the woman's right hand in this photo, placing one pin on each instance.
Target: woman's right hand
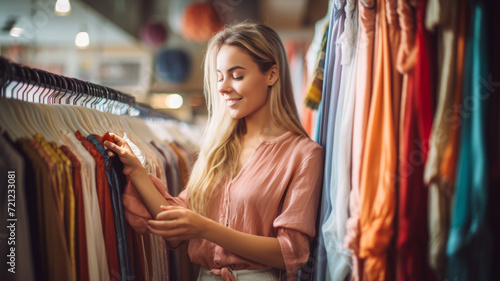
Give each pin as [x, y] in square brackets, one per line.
[121, 148]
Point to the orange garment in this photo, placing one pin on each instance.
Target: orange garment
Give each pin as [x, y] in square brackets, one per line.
[379, 163]
[182, 164]
[307, 120]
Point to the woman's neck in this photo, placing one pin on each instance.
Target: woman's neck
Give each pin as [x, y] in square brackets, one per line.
[263, 130]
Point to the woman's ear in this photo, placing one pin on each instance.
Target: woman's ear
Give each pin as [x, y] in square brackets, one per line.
[272, 75]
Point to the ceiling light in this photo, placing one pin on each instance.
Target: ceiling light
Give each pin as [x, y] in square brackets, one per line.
[62, 8]
[16, 31]
[82, 39]
[173, 101]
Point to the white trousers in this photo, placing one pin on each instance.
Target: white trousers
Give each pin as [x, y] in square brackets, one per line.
[242, 275]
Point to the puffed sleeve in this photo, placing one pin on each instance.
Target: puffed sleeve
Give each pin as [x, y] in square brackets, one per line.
[296, 225]
[136, 212]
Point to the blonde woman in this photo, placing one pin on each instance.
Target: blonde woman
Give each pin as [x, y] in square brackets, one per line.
[249, 208]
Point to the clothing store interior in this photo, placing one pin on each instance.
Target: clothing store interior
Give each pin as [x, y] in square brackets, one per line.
[403, 96]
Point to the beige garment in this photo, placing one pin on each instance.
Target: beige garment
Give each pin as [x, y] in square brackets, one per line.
[442, 17]
[153, 163]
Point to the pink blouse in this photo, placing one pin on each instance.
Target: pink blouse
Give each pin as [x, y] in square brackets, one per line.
[276, 194]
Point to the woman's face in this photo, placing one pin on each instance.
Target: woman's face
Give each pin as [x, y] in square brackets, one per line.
[243, 86]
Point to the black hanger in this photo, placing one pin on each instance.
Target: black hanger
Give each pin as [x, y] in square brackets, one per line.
[5, 69]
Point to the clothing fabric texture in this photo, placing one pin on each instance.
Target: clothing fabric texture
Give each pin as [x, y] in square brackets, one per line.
[242, 275]
[96, 250]
[469, 247]
[82, 268]
[316, 267]
[105, 207]
[52, 258]
[116, 182]
[12, 169]
[379, 164]
[363, 90]
[412, 226]
[334, 226]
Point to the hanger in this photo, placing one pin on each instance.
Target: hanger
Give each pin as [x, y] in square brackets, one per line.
[36, 88]
[6, 80]
[48, 87]
[31, 115]
[20, 83]
[15, 116]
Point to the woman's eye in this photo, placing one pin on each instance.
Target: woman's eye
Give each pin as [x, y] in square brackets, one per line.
[238, 78]
[220, 79]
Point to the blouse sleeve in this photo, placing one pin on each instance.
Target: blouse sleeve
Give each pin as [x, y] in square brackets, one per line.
[296, 225]
[136, 212]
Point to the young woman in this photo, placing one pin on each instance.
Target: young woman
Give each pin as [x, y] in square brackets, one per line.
[249, 208]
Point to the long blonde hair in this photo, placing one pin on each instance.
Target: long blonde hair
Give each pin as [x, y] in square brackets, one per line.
[221, 145]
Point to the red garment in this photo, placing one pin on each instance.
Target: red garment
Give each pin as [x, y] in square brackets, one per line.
[80, 238]
[412, 251]
[105, 206]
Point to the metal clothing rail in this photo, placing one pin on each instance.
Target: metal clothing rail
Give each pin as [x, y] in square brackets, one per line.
[47, 87]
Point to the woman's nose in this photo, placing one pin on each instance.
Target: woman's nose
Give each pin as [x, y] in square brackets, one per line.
[224, 87]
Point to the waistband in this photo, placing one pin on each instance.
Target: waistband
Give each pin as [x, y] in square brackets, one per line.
[227, 274]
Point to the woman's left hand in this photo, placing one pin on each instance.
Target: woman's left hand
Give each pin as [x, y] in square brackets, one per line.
[177, 223]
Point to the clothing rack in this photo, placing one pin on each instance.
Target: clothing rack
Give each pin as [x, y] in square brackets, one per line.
[51, 88]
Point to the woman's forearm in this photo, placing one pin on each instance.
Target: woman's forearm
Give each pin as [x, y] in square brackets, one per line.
[261, 249]
[150, 195]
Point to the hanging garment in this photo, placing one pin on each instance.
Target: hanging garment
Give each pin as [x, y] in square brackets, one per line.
[334, 227]
[412, 231]
[12, 169]
[80, 228]
[64, 193]
[116, 181]
[54, 261]
[469, 243]
[326, 116]
[443, 17]
[97, 262]
[379, 164]
[314, 93]
[363, 89]
[106, 209]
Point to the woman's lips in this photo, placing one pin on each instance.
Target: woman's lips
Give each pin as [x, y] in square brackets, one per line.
[232, 102]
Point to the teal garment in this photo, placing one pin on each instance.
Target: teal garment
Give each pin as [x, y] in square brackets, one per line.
[470, 242]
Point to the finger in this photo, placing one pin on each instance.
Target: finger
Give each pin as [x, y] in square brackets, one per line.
[170, 207]
[174, 234]
[111, 146]
[118, 140]
[169, 231]
[169, 215]
[110, 153]
[166, 224]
